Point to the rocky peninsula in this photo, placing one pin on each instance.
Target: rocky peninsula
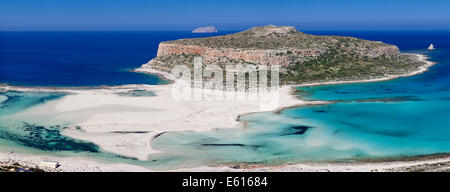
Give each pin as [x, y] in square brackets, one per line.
[303, 58]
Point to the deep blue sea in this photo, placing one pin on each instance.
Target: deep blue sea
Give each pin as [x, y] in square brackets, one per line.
[401, 117]
[80, 58]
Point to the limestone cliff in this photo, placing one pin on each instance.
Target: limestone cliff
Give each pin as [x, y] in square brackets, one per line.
[303, 57]
[208, 29]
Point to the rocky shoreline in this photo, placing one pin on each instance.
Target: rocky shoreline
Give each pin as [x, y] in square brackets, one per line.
[13, 166]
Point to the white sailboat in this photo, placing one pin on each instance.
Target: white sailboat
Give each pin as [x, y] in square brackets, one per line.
[431, 47]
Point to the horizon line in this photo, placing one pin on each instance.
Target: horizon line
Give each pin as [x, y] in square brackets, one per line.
[223, 30]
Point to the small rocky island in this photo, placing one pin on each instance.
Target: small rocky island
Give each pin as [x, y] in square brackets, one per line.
[208, 29]
[303, 58]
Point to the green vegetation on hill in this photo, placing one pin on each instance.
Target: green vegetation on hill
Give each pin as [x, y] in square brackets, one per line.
[332, 66]
[267, 38]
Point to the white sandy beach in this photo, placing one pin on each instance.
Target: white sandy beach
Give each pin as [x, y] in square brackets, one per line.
[101, 112]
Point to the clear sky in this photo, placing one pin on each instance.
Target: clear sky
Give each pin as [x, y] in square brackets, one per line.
[224, 14]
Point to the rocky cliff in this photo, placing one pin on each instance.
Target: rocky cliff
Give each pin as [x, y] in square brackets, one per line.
[303, 57]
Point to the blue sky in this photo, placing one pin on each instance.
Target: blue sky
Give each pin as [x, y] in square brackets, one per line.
[225, 15]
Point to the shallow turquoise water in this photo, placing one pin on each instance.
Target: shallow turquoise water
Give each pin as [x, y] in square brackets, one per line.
[35, 132]
[407, 116]
[42, 134]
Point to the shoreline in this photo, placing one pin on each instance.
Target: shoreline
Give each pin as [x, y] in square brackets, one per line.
[201, 116]
[163, 75]
[418, 163]
[168, 77]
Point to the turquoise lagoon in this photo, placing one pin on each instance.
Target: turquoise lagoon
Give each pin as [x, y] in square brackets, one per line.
[402, 117]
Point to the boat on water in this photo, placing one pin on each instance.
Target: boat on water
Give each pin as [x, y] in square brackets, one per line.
[431, 47]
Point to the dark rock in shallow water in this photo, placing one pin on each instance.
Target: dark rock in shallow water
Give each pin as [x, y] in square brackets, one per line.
[129, 132]
[230, 145]
[391, 99]
[301, 127]
[342, 92]
[300, 130]
[126, 157]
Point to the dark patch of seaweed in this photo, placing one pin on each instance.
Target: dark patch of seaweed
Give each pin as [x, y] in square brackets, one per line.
[230, 145]
[46, 138]
[299, 130]
[390, 99]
